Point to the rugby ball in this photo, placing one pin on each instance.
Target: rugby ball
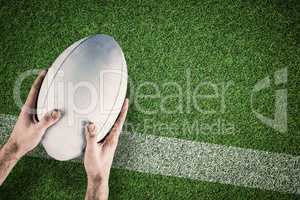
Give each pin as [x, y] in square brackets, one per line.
[87, 82]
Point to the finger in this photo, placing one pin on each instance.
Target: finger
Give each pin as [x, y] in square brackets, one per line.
[34, 91]
[90, 134]
[49, 119]
[113, 137]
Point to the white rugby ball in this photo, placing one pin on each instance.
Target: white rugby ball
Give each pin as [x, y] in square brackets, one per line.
[87, 82]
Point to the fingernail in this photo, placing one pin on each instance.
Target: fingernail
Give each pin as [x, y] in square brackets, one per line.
[91, 127]
[43, 72]
[55, 114]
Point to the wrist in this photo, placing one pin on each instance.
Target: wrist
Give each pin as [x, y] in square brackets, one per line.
[98, 180]
[12, 150]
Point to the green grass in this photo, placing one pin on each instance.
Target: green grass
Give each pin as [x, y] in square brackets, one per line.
[57, 180]
[224, 42]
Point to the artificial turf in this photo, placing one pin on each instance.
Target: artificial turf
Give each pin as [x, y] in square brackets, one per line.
[221, 42]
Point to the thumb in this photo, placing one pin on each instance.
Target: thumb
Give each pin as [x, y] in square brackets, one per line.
[90, 134]
[50, 118]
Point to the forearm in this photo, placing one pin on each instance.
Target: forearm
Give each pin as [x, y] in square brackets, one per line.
[8, 159]
[97, 189]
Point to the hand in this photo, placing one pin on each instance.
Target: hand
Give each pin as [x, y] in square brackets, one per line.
[28, 131]
[99, 156]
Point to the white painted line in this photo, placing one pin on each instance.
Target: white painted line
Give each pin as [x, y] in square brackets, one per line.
[198, 161]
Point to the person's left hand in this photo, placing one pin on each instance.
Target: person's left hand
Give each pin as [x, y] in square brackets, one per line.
[28, 131]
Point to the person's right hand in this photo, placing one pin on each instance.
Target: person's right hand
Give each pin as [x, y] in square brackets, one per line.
[98, 157]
